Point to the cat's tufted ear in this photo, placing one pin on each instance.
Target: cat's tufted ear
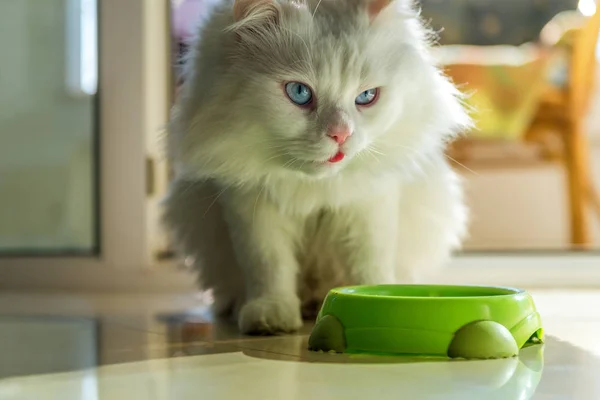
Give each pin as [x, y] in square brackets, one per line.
[375, 7]
[255, 10]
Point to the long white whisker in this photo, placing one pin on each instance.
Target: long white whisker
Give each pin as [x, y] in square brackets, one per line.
[256, 203]
[368, 150]
[277, 155]
[215, 200]
[374, 150]
[301, 39]
[462, 165]
[316, 8]
[449, 157]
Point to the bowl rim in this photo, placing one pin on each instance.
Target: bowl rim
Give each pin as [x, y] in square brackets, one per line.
[357, 291]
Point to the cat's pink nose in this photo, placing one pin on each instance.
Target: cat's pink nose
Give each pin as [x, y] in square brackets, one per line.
[339, 133]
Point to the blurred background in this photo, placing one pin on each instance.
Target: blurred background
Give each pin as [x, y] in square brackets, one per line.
[529, 67]
[85, 92]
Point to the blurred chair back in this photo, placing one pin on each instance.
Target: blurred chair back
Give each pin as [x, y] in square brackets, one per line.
[583, 67]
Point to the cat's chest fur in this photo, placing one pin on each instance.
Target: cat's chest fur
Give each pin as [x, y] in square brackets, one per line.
[302, 197]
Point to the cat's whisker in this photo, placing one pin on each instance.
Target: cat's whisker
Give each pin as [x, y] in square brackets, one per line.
[462, 165]
[278, 147]
[298, 62]
[308, 52]
[373, 155]
[316, 8]
[215, 200]
[449, 157]
[187, 188]
[290, 163]
[375, 150]
[277, 155]
[262, 187]
[303, 164]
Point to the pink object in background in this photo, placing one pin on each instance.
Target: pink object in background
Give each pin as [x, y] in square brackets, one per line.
[186, 15]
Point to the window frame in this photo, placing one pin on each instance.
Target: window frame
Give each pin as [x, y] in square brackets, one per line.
[134, 96]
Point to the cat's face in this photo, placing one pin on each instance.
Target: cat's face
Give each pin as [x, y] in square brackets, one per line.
[318, 87]
[319, 111]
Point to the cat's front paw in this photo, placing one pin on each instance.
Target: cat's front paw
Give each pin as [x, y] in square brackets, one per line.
[270, 315]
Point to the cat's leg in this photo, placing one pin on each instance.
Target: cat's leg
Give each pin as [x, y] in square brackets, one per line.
[432, 222]
[195, 219]
[265, 244]
[365, 237]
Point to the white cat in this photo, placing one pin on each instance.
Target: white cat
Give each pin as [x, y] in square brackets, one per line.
[308, 145]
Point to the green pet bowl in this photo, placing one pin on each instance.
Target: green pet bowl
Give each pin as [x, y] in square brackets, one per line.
[472, 322]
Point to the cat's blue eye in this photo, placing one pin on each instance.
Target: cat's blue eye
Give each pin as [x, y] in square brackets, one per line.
[367, 97]
[299, 93]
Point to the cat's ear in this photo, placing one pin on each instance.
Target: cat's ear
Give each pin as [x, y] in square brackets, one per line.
[255, 11]
[374, 7]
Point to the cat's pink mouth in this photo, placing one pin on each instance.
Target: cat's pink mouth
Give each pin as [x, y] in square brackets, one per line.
[339, 156]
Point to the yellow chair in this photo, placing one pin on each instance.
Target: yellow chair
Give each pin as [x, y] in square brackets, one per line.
[555, 132]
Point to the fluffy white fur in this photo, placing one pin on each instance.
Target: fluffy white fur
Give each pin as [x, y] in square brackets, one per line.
[271, 224]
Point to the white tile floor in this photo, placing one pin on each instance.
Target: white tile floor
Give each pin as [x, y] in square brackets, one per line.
[218, 364]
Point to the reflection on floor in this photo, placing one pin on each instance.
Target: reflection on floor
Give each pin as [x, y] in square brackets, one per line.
[112, 347]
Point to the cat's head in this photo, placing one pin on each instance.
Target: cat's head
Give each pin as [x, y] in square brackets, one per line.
[312, 89]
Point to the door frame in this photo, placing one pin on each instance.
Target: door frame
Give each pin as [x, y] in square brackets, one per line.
[134, 99]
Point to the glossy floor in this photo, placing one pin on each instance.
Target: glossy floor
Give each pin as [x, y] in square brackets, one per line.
[112, 347]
